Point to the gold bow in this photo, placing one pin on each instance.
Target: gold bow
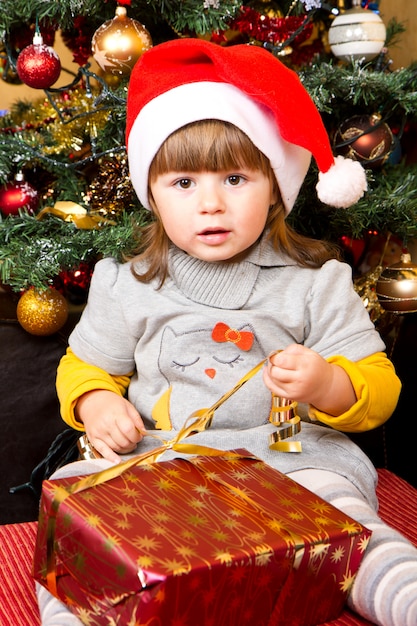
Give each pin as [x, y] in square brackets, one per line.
[72, 212]
[197, 422]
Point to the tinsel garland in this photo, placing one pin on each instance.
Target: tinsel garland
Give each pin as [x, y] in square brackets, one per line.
[292, 36]
[61, 126]
[110, 191]
[274, 30]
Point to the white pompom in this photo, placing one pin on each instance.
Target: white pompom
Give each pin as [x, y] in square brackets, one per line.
[343, 184]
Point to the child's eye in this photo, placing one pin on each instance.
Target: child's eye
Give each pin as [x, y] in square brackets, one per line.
[183, 183]
[235, 179]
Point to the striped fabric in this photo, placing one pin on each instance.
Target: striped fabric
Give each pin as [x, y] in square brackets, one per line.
[18, 606]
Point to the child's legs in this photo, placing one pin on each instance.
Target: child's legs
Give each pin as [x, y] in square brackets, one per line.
[385, 589]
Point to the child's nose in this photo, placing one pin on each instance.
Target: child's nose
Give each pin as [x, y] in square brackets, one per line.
[212, 200]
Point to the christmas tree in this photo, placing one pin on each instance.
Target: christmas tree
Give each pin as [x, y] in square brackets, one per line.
[65, 194]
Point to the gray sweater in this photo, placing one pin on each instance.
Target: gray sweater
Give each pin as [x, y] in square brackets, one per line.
[192, 340]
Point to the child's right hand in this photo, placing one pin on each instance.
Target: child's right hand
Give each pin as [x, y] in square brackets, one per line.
[112, 423]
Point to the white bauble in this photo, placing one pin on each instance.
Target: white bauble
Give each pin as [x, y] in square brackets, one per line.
[357, 34]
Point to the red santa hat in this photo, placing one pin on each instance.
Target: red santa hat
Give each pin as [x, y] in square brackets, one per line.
[187, 80]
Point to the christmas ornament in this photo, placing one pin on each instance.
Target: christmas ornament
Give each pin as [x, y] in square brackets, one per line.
[364, 138]
[38, 65]
[19, 37]
[118, 43]
[74, 283]
[18, 195]
[42, 312]
[357, 34]
[78, 278]
[396, 287]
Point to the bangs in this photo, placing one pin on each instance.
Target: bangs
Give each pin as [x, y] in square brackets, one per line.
[208, 145]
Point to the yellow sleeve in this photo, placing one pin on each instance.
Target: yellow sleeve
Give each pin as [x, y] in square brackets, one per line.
[377, 388]
[75, 377]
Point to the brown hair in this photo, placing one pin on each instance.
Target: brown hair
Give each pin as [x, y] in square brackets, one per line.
[212, 145]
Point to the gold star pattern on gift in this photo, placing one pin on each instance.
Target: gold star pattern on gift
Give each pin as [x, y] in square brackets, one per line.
[183, 517]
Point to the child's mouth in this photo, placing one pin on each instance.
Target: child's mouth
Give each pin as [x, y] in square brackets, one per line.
[214, 235]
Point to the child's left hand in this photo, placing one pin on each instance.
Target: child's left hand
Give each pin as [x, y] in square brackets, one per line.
[300, 374]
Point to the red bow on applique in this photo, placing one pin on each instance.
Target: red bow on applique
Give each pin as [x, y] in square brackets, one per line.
[222, 332]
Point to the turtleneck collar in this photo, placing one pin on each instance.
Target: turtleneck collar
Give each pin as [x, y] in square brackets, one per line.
[223, 285]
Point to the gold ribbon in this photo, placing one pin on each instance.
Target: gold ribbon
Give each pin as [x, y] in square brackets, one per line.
[72, 212]
[288, 422]
[197, 422]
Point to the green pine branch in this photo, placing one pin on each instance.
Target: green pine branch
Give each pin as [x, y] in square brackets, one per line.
[33, 252]
[337, 89]
[179, 14]
[389, 206]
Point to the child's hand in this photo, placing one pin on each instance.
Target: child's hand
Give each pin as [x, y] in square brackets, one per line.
[112, 423]
[300, 374]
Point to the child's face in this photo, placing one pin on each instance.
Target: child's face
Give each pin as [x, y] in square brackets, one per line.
[213, 216]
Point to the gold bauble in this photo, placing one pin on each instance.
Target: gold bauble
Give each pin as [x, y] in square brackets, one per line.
[396, 287]
[118, 43]
[42, 312]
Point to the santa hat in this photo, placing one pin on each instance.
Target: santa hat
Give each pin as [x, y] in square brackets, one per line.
[187, 80]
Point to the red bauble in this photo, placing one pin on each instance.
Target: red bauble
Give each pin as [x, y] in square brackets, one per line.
[75, 283]
[38, 65]
[18, 195]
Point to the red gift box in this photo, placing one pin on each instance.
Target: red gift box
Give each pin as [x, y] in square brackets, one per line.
[202, 541]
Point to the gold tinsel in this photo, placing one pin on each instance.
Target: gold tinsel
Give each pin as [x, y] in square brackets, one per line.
[365, 287]
[76, 123]
[111, 191]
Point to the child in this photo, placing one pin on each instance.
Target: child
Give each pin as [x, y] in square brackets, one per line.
[219, 142]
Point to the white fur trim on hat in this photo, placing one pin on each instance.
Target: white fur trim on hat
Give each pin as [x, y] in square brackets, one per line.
[343, 184]
[192, 102]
